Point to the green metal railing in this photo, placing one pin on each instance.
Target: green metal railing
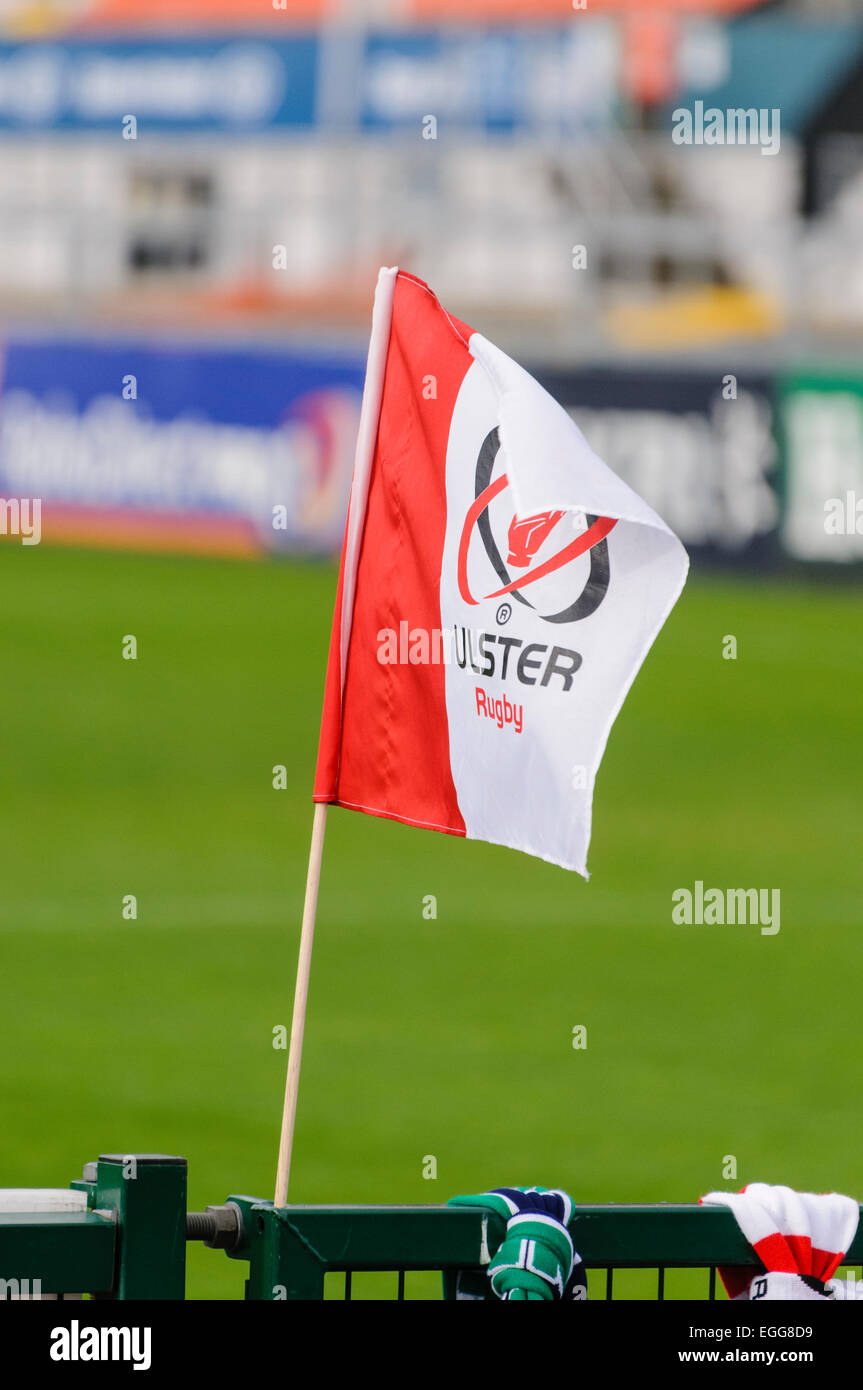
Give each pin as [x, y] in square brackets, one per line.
[291, 1252]
[130, 1243]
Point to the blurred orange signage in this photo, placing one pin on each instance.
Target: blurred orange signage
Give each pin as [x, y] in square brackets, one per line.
[30, 18]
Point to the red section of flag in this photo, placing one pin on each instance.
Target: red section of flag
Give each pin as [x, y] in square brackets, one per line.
[384, 740]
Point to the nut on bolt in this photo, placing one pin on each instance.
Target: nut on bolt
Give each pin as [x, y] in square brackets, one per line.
[219, 1227]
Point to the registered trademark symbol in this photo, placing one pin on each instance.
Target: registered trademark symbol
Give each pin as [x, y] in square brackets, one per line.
[504, 613]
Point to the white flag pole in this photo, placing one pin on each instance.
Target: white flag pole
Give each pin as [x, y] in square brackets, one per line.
[366, 440]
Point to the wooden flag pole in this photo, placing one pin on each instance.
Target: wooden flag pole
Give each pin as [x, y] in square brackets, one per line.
[301, 995]
[366, 437]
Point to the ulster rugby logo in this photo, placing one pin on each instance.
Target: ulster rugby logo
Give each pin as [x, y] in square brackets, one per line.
[524, 538]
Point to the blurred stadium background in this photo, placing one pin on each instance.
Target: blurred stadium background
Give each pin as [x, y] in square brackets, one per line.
[195, 197]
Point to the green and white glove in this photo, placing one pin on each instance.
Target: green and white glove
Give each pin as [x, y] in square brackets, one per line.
[536, 1261]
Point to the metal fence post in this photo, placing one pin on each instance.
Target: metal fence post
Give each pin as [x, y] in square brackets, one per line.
[148, 1193]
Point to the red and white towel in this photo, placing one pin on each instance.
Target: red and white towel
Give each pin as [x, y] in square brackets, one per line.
[801, 1239]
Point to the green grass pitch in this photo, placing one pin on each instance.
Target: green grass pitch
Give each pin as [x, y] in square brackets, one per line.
[449, 1037]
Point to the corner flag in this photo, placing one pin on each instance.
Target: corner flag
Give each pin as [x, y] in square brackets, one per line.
[500, 587]
[499, 590]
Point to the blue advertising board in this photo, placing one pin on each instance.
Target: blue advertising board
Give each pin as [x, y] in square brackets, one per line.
[194, 84]
[501, 80]
[182, 447]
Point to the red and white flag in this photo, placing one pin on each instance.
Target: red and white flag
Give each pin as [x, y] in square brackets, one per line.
[499, 590]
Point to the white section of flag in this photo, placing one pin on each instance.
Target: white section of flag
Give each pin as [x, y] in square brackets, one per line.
[521, 789]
